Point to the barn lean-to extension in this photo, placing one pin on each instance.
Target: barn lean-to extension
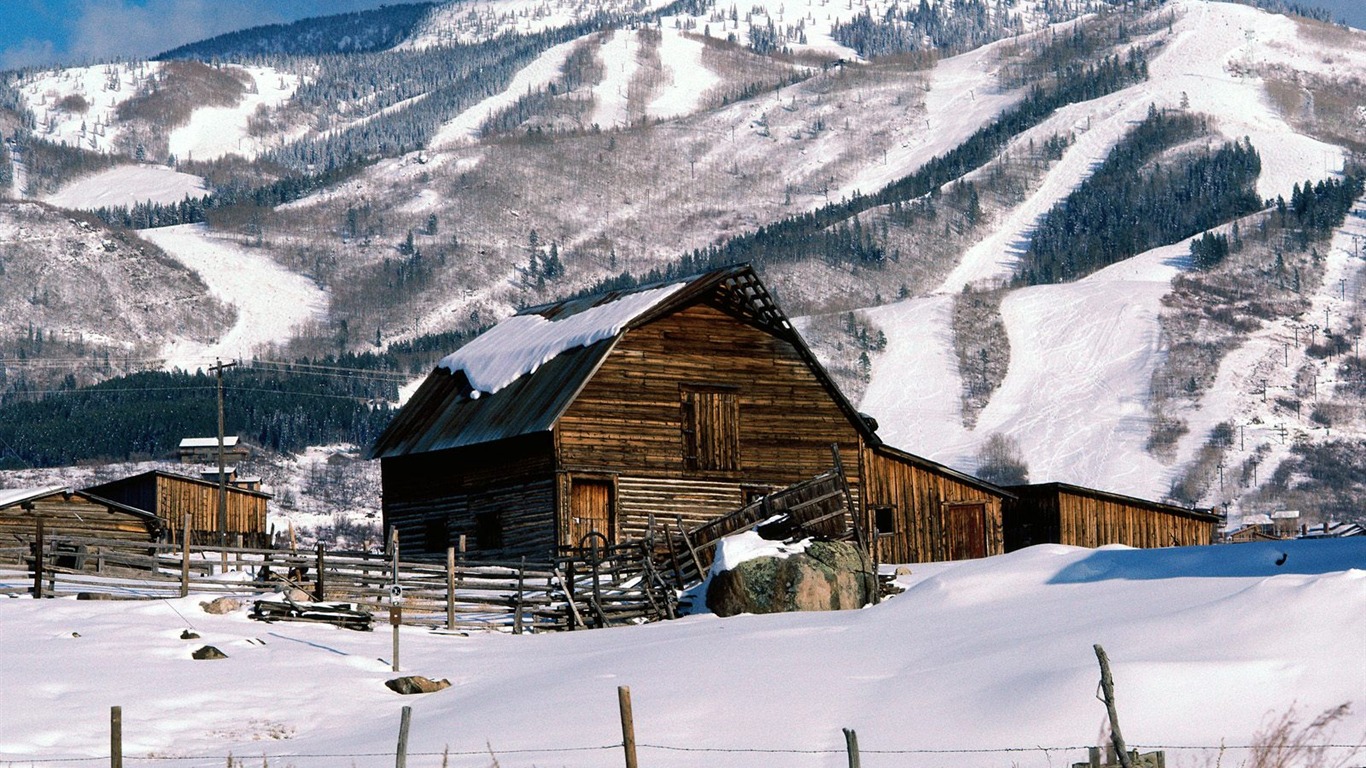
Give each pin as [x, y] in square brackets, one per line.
[684, 399]
[1059, 513]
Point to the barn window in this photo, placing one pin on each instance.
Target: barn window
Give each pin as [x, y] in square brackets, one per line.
[884, 522]
[711, 428]
[488, 530]
[434, 538]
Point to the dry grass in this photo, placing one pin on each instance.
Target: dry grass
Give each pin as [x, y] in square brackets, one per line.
[1289, 741]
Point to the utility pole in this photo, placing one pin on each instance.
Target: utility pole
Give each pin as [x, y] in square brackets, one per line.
[217, 368]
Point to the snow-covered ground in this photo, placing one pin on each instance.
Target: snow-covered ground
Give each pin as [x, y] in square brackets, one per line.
[1208, 646]
[127, 185]
[464, 128]
[217, 131]
[78, 105]
[270, 300]
[688, 79]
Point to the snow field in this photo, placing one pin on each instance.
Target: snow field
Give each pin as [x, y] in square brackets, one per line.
[102, 86]
[688, 79]
[1206, 645]
[619, 58]
[217, 131]
[269, 299]
[464, 128]
[128, 185]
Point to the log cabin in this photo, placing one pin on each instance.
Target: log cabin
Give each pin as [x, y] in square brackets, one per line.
[1058, 513]
[171, 497]
[73, 514]
[592, 417]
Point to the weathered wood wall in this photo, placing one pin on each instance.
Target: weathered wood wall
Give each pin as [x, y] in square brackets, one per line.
[76, 516]
[512, 479]
[177, 497]
[920, 498]
[630, 419]
[1057, 515]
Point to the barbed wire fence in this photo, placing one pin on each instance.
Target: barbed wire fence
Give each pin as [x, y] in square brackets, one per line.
[1290, 752]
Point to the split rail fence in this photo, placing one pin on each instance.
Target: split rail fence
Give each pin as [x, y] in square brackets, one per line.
[604, 587]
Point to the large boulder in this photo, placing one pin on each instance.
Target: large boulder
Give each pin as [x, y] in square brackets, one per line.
[828, 576]
[411, 684]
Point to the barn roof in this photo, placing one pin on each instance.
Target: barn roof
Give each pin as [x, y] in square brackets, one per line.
[947, 471]
[1156, 506]
[519, 377]
[151, 474]
[229, 441]
[12, 497]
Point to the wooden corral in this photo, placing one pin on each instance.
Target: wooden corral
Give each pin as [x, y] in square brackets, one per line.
[691, 402]
[172, 497]
[65, 512]
[1058, 513]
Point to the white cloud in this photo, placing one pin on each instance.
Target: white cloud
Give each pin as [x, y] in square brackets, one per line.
[28, 52]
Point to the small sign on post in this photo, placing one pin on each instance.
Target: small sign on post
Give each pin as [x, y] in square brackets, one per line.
[395, 615]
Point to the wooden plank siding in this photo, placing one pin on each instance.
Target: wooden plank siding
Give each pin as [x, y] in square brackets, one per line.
[921, 501]
[74, 515]
[701, 379]
[1060, 514]
[177, 497]
[510, 485]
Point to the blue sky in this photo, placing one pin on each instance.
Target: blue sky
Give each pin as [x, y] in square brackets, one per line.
[74, 31]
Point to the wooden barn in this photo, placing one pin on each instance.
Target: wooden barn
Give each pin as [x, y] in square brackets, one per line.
[1058, 513]
[204, 450]
[65, 512]
[684, 399]
[171, 497]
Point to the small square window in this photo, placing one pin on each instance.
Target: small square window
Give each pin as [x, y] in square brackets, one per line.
[884, 522]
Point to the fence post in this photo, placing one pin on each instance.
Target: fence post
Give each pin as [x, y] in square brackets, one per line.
[450, 587]
[851, 745]
[1107, 687]
[401, 756]
[185, 559]
[319, 589]
[517, 610]
[38, 561]
[116, 737]
[628, 725]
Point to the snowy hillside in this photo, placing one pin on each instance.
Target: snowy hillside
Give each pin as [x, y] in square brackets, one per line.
[1082, 354]
[977, 663]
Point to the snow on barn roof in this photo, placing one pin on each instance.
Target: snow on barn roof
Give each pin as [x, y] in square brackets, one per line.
[524, 342]
[12, 496]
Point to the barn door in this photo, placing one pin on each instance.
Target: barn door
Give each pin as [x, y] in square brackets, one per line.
[965, 526]
[590, 509]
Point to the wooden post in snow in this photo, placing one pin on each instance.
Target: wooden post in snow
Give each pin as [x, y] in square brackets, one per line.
[401, 755]
[851, 746]
[320, 587]
[116, 737]
[450, 587]
[1107, 688]
[185, 559]
[628, 726]
[38, 546]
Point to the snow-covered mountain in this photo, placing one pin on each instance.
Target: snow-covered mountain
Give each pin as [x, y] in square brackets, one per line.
[386, 195]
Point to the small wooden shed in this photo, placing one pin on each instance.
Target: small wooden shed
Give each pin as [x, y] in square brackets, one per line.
[204, 450]
[65, 512]
[683, 399]
[1058, 513]
[172, 497]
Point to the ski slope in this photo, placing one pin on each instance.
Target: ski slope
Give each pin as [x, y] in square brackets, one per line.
[1082, 354]
[1207, 645]
[217, 131]
[270, 300]
[128, 185]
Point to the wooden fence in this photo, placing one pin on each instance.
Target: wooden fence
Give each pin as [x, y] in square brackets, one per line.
[613, 586]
